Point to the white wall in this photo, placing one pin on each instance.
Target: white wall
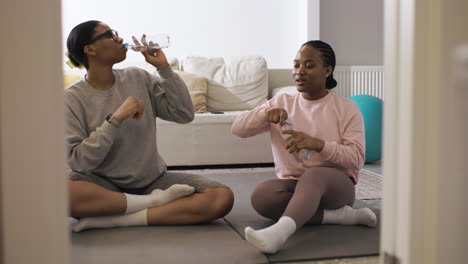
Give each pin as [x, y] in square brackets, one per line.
[269, 28]
[354, 28]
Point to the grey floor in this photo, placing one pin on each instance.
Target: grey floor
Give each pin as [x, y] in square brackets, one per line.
[374, 167]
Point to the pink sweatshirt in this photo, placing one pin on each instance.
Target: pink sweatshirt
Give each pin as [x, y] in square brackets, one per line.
[336, 120]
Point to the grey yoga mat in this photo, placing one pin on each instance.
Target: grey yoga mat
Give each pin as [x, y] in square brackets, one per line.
[211, 243]
[310, 242]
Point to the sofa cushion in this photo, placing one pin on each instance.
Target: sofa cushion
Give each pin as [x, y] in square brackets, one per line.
[234, 83]
[197, 86]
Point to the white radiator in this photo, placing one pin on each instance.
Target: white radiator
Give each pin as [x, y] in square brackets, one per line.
[357, 80]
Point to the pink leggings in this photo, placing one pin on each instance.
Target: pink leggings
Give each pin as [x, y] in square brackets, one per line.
[303, 200]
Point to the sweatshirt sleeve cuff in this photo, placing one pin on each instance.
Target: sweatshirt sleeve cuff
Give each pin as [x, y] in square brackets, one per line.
[328, 150]
[166, 73]
[109, 129]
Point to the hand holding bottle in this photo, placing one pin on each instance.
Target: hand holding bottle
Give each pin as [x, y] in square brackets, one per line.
[288, 133]
[151, 50]
[300, 140]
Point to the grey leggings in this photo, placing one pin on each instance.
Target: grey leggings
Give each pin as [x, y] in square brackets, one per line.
[303, 200]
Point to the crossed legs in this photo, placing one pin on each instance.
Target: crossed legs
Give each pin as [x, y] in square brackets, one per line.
[304, 199]
[321, 196]
[99, 207]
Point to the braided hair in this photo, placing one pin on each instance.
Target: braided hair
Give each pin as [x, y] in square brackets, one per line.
[328, 57]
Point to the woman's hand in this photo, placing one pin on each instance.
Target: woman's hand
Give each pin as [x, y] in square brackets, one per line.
[131, 107]
[276, 115]
[155, 57]
[300, 140]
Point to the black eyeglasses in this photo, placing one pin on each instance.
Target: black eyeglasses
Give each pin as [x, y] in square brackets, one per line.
[111, 34]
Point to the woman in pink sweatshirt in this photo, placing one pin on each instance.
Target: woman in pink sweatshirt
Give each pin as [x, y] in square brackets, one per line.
[318, 148]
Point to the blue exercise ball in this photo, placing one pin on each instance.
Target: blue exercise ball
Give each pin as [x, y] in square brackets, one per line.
[371, 108]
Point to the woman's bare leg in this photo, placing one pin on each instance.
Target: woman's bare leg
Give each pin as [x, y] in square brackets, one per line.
[211, 204]
[87, 199]
[197, 208]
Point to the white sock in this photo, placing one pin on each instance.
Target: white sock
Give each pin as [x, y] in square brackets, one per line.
[139, 218]
[157, 197]
[347, 215]
[270, 239]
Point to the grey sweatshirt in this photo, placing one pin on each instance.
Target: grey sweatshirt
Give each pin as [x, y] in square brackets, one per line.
[127, 156]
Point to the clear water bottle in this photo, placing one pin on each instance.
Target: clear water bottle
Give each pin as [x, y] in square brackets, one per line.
[151, 42]
[300, 155]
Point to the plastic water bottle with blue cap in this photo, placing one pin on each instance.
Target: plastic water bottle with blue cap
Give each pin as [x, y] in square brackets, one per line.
[300, 155]
[150, 42]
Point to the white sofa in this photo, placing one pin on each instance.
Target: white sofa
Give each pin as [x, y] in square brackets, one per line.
[207, 140]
